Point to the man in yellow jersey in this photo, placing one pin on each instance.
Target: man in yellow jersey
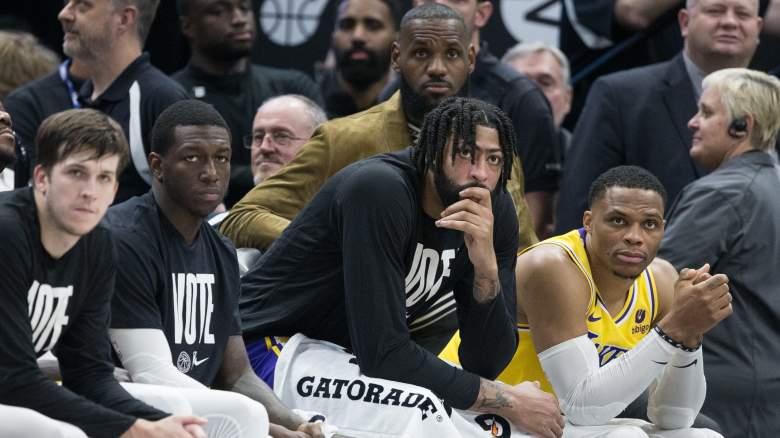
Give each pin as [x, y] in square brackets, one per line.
[601, 320]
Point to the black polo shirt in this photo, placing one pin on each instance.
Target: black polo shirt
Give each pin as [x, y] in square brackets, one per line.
[157, 92]
[31, 104]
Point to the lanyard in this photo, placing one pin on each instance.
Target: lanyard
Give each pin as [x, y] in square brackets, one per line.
[74, 96]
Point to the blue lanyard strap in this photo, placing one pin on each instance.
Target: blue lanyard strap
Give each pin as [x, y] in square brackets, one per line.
[74, 96]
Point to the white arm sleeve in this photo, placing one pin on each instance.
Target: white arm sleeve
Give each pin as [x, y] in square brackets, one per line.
[678, 394]
[147, 357]
[592, 395]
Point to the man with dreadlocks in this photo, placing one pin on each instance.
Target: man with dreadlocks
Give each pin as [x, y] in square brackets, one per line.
[384, 240]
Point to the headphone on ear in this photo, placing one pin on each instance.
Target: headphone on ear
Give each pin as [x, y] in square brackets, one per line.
[738, 127]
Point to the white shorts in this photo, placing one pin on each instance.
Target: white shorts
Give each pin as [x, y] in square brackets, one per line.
[229, 414]
[320, 376]
[23, 423]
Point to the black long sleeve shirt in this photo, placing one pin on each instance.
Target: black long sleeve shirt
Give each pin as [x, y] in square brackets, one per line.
[362, 260]
[61, 305]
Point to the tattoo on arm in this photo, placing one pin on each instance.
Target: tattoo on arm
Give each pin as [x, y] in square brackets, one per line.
[492, 396]
[486, 288]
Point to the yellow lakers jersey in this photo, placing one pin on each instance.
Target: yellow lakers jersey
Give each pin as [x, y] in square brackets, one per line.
[612, 335]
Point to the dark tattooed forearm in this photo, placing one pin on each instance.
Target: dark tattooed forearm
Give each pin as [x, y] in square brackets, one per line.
[492, 397]
[486, 288]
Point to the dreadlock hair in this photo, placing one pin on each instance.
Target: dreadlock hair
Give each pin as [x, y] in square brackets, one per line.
[457, 118]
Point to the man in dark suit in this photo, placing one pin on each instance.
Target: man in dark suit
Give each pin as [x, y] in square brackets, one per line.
[639, 116]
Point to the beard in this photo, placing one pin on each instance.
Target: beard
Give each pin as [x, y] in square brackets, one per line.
[362, 73]
[449, 192]
[416, 106]
[89, 46]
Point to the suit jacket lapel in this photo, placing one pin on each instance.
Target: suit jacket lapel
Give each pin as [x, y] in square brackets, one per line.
[680, 102]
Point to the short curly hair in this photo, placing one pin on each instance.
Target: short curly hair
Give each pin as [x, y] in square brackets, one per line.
[630, 177]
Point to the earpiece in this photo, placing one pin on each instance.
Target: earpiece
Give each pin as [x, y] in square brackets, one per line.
[738, 128]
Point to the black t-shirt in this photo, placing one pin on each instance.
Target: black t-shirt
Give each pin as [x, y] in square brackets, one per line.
[237, 98]
[61, 305]
[525, 104]
[190, 292]
[361, 261]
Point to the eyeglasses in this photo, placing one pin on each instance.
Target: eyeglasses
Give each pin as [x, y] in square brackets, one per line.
[279, 138]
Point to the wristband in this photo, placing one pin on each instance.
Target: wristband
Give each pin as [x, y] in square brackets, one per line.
[674, 343]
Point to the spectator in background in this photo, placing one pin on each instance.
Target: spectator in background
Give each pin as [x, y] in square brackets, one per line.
[282, 125]
[549, 68]
[639, 116]
[221, 34]
[605, 36]
[23, 59]
[106, 37]
[731, 220]
[365, 30]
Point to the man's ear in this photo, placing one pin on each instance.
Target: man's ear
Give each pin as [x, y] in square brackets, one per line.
[472, 58]
[683, 17]
[155, 165]
[40, 179]
[483, 13]
[395, 54]
[587, 220]
[128, 19]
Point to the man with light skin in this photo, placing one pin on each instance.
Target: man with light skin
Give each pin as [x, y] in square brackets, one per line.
[58, 277]
[730, 219]
[106, 37]
[281, 126]
[639, 116]
[365, 31]
[549, 68]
